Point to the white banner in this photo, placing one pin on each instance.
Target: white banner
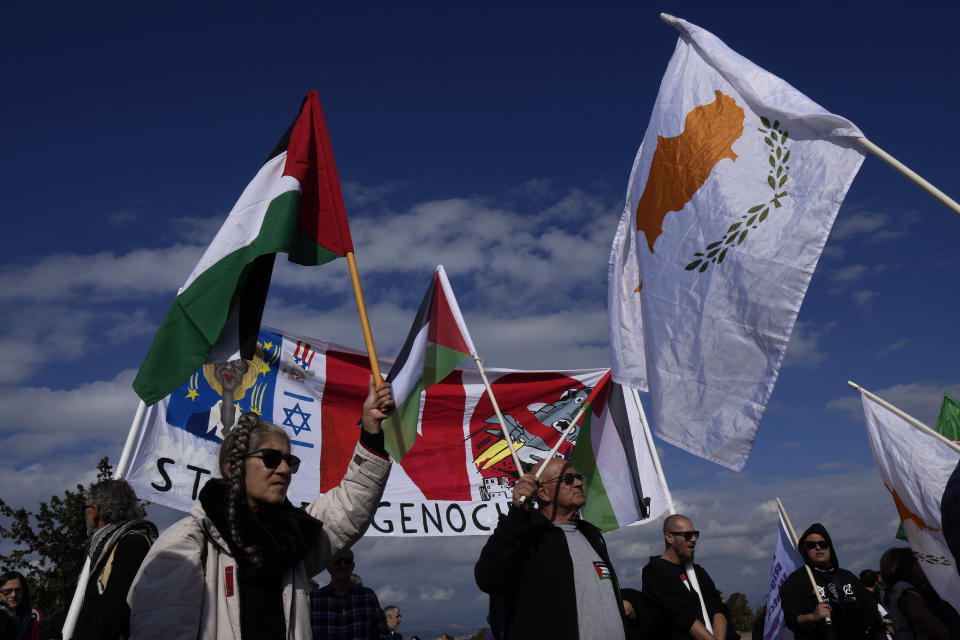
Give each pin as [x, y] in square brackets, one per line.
[455, 480]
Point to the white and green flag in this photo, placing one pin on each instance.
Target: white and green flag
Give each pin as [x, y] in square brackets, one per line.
[915, 467]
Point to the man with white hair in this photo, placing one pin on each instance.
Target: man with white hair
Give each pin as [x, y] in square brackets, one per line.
[550, 560]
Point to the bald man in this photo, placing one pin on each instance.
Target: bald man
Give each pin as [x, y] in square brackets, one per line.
[678, 603]
[550, 565]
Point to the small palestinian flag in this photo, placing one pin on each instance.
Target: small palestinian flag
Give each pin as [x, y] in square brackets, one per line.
[603, 571]
[605, 454]
[437, 343]
[293, 205]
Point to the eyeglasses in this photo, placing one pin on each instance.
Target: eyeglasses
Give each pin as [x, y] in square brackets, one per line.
[687, 535]
[272, 458]
[343, 562]
[819, 544]
[10, 592]
[568, 478]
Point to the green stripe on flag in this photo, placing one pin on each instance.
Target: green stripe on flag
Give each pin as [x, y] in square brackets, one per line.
[196, 318]
[400, 429]
[439, 362]
[598, 509]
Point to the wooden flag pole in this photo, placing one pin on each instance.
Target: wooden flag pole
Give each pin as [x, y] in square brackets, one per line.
[364, 321]
[910, 174]
[796, 542]
[913, 421]
[496, 408]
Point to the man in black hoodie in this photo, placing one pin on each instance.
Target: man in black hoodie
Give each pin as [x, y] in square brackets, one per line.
[845, 602]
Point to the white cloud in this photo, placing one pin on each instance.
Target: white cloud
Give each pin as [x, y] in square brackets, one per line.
[38, 420]
[863, 297]
[872, 227]
[920, 399]
[101, 276]
[390, 594]
[43, 333]
[804, 347]
[435, 594]
[849, 273]
[895, 346]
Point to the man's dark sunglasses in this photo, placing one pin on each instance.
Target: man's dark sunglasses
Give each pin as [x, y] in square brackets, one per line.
[343, 562]
[272, 458]
[686, 534]
[568, 478]
[819, 544]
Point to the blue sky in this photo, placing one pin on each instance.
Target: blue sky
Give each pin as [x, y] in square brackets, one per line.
[496, 140]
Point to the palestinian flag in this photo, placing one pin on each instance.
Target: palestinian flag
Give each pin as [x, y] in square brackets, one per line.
[294, 206]
[605, 455]
[437, 343]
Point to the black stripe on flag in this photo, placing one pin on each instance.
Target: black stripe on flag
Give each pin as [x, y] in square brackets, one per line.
[616, 405]
[285, 138]
[422, 320]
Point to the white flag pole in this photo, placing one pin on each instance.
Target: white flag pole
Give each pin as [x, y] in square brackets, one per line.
[653, 452]
[458, 316]
[910, 174]
[913, 421]
[496, 408]
[135, 427]
[70, 623]
[796, 543]
[658, 468]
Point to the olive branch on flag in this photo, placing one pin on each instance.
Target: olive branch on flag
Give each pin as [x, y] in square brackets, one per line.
[775, 138]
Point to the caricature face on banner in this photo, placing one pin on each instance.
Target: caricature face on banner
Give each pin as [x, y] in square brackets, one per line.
[456, 479]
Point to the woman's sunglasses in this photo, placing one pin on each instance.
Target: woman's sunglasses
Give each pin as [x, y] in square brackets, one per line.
[272, 458]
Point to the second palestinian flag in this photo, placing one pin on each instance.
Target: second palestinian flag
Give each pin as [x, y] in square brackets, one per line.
[437, 343]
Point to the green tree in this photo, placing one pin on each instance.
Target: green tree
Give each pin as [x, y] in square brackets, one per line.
[743, 615]
[48, 548]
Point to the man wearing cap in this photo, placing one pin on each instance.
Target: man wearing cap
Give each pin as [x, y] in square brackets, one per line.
[678, 598]
[551, 567]
[843, 609]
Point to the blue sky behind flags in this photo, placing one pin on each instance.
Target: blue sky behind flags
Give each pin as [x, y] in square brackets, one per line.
[497, 141]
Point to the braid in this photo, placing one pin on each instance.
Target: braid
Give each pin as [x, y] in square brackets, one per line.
[233, 451]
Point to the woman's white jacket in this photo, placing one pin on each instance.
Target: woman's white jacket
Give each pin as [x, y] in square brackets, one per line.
[187, 585]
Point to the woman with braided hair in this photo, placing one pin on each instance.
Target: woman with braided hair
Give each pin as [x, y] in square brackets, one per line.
[239, 565]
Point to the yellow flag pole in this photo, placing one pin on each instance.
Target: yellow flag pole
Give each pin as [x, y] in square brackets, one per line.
[796, 542]
[364, 320]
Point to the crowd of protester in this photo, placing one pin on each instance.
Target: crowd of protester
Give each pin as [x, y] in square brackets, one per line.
[239, 566]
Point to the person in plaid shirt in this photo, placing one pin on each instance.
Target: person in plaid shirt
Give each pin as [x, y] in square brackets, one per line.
[343, 610]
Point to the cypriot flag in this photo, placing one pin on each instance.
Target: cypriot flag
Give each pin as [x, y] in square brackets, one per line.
[732, 194]
[915, 467]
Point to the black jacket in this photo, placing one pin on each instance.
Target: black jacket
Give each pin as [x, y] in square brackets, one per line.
[854, 616]
[106, 614]
[676, 606]
[527, 560]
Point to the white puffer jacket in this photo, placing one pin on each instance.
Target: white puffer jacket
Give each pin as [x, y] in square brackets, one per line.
[187, 585]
